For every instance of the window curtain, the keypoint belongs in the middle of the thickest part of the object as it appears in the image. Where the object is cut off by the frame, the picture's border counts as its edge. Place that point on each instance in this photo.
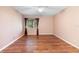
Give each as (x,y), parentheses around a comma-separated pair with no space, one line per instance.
(31,23)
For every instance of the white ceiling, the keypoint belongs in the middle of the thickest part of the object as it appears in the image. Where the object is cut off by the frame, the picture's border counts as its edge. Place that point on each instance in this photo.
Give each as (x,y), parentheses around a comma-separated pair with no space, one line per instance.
(33,10)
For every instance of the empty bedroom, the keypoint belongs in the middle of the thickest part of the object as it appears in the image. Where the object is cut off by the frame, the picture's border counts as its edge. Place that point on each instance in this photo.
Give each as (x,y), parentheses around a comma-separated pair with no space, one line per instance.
(39,29)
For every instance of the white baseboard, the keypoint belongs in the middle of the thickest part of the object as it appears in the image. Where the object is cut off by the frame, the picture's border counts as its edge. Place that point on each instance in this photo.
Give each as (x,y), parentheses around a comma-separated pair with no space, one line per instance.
(42,34)
(67,41)
(45,33)
(11,43)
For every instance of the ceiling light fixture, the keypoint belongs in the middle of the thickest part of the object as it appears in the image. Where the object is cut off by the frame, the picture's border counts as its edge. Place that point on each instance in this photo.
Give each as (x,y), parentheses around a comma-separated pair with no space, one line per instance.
(40,9)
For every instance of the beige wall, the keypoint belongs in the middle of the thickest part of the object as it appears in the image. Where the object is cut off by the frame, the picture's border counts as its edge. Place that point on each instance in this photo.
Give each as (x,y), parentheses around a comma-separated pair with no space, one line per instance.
(45,25)
(66,25)
(11,26)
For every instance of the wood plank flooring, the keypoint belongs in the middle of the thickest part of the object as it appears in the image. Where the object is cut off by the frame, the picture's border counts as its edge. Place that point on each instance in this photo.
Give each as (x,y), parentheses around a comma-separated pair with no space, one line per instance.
(40,44)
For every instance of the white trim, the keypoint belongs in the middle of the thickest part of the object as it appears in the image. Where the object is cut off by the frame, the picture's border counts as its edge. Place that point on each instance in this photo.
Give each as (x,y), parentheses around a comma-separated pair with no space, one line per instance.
(42,34)
(67,41)
(45,33)
(11,43)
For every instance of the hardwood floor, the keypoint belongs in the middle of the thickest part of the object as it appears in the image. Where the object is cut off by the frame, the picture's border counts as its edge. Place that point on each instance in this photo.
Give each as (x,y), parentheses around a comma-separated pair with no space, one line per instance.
(40,44)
